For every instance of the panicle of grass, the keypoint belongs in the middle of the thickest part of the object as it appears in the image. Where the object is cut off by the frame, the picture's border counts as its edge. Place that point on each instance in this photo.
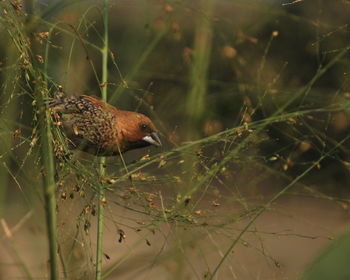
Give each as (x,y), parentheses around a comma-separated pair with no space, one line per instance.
(32,73)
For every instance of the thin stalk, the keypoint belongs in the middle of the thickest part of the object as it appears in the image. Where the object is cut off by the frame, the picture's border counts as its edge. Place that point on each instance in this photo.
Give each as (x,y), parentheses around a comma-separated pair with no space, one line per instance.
(48,163)
(47,159)
(101,191)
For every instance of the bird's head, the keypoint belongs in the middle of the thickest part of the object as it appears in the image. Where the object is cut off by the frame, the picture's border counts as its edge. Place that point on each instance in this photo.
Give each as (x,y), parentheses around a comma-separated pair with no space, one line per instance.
(137,131)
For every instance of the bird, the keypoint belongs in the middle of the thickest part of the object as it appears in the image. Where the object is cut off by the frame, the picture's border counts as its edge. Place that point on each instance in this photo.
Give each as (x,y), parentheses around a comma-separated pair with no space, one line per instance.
(98,128)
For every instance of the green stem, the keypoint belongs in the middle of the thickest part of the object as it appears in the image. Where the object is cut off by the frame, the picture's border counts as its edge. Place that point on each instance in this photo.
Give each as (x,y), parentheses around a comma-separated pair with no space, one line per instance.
(49,182)
(101,192)
(100,217)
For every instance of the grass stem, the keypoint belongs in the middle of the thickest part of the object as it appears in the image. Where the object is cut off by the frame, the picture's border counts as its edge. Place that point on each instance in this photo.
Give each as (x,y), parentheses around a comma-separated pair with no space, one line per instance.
(49,182)
(101,192)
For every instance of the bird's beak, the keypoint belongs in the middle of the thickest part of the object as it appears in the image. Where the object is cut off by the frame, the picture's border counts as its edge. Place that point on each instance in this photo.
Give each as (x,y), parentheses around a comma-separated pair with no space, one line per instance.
(153,139)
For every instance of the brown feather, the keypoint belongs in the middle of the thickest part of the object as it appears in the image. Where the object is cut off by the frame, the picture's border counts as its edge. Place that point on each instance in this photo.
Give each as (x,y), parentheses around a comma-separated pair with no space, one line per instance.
(99,128)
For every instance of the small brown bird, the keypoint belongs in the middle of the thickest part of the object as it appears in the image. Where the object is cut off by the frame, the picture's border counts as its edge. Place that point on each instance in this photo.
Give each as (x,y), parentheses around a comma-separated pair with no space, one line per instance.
(98,128)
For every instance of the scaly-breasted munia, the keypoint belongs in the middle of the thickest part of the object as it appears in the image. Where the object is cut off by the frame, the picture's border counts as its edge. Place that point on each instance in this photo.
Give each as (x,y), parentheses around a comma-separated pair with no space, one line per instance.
(96,127)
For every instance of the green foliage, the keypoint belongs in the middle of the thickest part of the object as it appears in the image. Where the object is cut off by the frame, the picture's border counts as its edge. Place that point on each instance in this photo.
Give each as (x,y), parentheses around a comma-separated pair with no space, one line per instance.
(332,263)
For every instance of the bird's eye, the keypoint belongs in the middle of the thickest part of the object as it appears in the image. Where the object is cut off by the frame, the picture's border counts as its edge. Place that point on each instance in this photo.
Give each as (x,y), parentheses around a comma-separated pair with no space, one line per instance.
(144,127)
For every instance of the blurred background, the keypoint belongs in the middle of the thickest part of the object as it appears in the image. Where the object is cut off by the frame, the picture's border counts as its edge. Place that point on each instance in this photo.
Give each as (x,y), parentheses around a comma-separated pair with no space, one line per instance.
(252,101)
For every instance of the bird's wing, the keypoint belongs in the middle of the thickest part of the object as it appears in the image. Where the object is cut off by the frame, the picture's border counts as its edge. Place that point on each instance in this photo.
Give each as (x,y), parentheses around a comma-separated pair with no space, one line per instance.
(80,104)
(98,102)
